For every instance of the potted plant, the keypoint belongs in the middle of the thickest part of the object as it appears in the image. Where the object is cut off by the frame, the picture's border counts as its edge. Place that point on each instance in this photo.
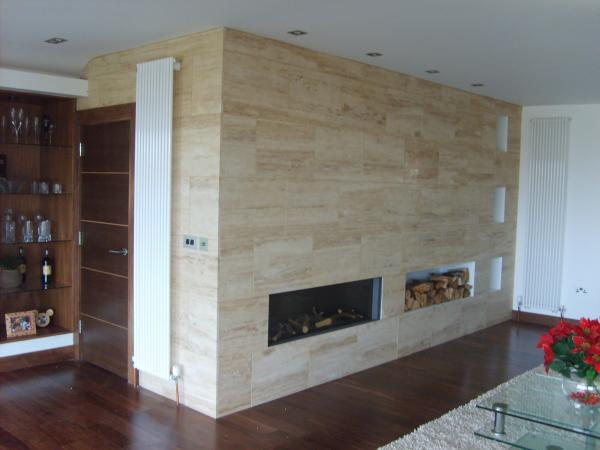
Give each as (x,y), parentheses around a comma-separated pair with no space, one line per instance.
(573,350)
(10,277)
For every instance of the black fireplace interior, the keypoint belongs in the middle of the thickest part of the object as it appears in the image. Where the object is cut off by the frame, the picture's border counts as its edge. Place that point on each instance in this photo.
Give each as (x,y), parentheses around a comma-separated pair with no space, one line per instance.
(297,314)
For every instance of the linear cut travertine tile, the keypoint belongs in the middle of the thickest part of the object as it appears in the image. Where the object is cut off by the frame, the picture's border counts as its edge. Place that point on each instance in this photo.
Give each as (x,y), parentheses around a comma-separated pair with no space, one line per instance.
(305,169)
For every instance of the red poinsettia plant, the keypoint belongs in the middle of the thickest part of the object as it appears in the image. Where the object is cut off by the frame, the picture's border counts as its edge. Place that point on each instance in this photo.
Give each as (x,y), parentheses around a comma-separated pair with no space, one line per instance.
(573,348)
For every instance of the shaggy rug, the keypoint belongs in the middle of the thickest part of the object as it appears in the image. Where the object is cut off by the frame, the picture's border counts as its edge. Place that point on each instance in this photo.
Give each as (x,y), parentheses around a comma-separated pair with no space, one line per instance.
(455,430)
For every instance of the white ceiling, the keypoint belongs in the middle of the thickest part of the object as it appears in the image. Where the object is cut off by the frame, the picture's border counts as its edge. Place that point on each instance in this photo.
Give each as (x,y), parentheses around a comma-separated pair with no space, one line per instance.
(530,52)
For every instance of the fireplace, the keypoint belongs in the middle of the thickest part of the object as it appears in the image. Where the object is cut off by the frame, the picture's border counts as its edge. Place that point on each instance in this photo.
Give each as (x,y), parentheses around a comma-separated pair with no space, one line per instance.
(306,312)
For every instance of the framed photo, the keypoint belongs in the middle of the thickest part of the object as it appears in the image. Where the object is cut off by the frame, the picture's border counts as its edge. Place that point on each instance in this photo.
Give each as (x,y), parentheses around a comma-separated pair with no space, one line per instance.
(20,324)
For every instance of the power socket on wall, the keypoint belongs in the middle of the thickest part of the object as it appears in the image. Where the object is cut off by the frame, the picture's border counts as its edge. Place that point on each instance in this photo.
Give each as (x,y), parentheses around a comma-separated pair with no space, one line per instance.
(195,243)
(190,242)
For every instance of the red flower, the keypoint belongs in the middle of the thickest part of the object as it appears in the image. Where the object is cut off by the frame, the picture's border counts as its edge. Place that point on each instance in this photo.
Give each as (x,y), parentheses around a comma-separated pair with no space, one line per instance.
(588,328)
(562,330)
(593,357)
(548,356)
(545,339)
(581,340)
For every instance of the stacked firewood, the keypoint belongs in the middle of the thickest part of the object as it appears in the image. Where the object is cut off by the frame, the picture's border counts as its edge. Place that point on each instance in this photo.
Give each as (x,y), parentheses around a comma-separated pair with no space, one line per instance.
(307,323)
(438,288)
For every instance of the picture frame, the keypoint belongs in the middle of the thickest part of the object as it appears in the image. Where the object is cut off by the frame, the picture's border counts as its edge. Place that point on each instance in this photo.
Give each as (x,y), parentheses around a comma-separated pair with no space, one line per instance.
(20,323)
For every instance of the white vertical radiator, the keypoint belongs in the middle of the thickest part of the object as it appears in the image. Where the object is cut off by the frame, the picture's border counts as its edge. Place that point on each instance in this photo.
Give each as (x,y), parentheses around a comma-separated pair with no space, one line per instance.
(545,213)
(152,217)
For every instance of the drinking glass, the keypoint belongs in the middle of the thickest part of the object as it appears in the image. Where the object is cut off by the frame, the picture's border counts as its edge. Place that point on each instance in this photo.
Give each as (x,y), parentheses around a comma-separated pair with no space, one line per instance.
(27,231)
(8,227)
(44,231)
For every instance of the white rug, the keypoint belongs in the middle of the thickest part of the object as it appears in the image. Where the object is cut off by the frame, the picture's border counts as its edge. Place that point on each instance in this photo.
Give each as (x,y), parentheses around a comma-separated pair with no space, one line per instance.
(454,430)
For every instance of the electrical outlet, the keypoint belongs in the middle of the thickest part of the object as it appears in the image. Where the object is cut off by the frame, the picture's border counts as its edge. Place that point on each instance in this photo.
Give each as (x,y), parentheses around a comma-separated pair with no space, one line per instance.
(203,244)
(190,242)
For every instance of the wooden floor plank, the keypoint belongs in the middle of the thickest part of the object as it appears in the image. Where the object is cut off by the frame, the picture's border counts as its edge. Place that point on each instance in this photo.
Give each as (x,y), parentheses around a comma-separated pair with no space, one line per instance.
(75,405)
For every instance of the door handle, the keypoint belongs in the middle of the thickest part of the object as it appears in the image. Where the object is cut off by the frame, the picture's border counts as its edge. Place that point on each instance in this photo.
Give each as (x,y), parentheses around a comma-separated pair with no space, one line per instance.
(119,251)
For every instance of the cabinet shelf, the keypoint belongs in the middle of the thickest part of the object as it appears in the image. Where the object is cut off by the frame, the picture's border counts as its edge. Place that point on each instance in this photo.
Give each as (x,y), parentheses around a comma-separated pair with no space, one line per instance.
(50,330)
(9,146)
(54,241)
(62,194)
(33,287)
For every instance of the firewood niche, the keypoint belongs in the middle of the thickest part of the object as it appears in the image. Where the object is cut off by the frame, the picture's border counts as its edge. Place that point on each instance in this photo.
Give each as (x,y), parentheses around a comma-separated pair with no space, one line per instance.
(437,288)
(302,313)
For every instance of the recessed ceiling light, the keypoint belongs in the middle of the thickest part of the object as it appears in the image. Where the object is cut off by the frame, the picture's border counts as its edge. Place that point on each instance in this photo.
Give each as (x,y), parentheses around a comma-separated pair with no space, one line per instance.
(55,40)
(477,84)
(374,54)
(297,32)
(432,71)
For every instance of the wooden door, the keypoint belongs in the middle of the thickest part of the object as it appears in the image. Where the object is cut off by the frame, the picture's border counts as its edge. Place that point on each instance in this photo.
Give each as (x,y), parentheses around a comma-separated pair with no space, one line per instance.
(106,186)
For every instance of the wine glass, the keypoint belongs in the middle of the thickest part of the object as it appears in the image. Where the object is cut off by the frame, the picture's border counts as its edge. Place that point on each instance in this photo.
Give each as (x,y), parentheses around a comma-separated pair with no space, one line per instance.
(16,120)
(51,130)
(21,119)
(13,122)
(36,130)
(26,130)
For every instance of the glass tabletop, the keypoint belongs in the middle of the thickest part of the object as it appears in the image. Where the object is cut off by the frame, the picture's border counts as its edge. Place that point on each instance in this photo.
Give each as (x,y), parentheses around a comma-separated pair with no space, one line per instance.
(539,398)
(524,435)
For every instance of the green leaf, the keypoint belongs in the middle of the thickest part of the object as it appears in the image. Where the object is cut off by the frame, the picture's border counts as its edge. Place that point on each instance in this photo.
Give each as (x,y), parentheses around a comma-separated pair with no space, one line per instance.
(561,367)
(590,375)
(561,348)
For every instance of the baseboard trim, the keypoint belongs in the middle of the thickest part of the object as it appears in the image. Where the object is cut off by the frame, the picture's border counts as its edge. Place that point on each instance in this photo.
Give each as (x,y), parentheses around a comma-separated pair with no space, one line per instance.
(537,319)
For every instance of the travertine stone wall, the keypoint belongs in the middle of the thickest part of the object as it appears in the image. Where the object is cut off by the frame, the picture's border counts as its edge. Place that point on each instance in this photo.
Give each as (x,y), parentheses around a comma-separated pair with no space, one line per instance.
(196,146)
(305,169)
(332,171)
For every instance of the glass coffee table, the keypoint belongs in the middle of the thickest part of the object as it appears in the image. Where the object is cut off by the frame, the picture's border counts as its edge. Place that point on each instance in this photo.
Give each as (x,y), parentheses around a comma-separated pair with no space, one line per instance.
(534,414)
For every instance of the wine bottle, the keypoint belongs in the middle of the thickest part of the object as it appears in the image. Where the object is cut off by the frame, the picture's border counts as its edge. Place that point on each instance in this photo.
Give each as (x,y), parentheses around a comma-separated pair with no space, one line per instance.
(22,265)
(46,270)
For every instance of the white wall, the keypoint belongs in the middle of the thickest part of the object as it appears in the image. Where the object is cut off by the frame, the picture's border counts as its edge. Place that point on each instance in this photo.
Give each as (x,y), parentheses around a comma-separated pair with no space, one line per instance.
(581,261)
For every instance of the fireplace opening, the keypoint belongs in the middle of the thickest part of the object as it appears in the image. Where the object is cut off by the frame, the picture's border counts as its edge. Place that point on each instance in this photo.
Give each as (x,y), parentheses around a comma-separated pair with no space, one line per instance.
(306,312)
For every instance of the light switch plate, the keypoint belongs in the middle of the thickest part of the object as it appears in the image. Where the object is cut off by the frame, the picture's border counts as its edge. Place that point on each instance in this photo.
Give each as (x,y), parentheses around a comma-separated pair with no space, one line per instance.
(202,244)
(190,242)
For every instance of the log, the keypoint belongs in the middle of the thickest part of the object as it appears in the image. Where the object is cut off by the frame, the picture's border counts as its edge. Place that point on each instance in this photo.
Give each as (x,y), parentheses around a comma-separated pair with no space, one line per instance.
(346,315)
(441,284)
(324,323)
(441,281)
(297,326)
(316,315)
(290,329)
(306,324)
(279,333)
(422,288)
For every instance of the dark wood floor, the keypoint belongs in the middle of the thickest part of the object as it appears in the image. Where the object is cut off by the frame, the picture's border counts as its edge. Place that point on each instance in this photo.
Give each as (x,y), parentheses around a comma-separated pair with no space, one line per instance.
(78,406)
